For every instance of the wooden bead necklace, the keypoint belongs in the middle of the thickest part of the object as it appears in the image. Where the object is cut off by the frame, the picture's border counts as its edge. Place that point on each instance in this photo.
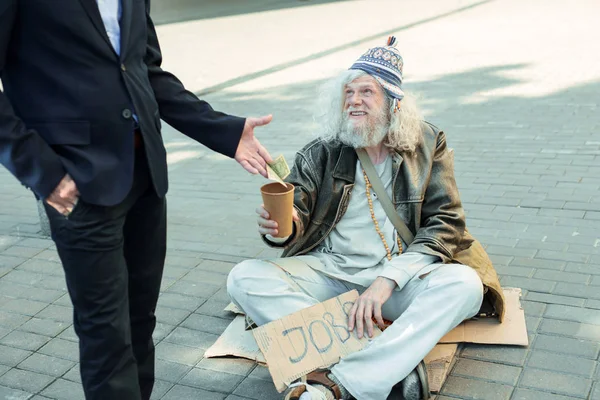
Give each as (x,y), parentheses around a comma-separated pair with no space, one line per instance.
(387,249)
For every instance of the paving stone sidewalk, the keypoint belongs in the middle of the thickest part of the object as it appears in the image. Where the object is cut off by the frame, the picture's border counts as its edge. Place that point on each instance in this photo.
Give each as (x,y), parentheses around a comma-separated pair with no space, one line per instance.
(515,89)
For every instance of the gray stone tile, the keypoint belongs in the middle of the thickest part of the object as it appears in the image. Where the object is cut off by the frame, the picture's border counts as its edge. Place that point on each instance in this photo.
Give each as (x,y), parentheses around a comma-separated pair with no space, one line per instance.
(257,389)
(74,374)
(10,320)
(171,316)
(171,371)
(45,327)
(57,313)
(160,389)
(212,380)
(529,394)
(175,273)
(62,389)
(473,389)
(505,355)
(176,300)
(562,276)
(487,371)
(193,288)
(8,261)
(13,394)
(178,354)
(180,392)
(11,356)
(21,251)
(27,381)
(24,340)
(4,332)
(29,292)
(236,366)
(576,314)
(25,307)
(215,308)
(34,242)
(46,365)
(537,263)
(206,323)
(561,363)
(201,275)
(69,334)
(573,329)
(62,349)
(533,308)
(575,347)
(569,385)
(532,284)
(261,372)
(161,331)
(555,299)
(64,301)
(191,338)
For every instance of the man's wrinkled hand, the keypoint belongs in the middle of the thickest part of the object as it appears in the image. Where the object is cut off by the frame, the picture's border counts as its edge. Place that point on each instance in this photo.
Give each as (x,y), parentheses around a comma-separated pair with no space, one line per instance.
(65,196)
(267,226)
(368,305)
(250,153)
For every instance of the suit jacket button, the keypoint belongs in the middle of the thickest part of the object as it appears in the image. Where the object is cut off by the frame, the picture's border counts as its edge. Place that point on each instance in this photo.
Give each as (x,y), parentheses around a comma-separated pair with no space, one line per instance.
(123,67)
(126,113)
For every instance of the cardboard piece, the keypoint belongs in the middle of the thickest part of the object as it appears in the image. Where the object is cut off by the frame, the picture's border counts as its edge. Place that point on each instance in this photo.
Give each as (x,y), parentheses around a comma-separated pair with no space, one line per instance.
(236,342)
(512,331)
(438,363)
(312,338)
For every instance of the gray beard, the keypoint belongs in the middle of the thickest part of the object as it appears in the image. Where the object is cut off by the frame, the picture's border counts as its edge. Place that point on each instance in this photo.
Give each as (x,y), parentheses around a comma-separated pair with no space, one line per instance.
(365,135)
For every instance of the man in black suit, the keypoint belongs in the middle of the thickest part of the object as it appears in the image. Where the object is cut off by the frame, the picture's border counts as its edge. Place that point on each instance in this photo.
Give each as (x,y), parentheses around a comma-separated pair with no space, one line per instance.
(80,126)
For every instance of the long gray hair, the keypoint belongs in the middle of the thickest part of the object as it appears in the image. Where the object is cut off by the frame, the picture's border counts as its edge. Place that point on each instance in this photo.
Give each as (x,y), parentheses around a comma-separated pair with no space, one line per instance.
(405,125)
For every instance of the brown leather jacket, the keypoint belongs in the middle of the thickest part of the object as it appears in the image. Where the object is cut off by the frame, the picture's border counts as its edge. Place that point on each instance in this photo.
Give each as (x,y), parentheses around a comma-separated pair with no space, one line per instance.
(425,196)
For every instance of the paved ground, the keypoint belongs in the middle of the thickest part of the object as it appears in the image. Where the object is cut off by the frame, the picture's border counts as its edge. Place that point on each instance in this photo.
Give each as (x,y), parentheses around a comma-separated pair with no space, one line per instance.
(513,83)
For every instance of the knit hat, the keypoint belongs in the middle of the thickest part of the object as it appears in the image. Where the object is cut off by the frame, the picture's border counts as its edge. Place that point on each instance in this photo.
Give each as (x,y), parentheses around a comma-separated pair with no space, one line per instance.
(385,65)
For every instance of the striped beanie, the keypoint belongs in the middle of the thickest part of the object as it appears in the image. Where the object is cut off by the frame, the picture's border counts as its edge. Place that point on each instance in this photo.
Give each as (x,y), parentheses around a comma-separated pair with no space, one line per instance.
(385,65)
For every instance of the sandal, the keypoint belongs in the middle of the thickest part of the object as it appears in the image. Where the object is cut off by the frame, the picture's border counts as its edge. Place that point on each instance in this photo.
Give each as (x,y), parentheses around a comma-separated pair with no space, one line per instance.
(318,377)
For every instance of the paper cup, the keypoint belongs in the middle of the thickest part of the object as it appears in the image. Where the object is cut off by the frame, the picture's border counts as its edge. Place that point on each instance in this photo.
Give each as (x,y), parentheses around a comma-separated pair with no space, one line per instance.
(279,203)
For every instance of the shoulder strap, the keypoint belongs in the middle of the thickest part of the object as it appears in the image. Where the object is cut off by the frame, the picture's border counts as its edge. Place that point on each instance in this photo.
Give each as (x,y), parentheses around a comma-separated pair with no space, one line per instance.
(400,226)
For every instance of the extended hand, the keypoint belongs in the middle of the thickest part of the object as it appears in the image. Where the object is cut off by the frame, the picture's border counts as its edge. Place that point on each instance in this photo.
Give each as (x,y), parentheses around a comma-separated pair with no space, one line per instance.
(250,153)
(369,304)
(267,226)
(65,196)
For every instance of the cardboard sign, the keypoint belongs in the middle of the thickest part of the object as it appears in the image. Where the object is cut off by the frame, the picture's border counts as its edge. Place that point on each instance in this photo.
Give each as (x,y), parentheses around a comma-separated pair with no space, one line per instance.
(490,331)
(312,338)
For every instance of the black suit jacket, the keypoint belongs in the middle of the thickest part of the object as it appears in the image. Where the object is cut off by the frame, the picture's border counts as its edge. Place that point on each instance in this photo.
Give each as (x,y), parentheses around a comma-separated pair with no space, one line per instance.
(69,99)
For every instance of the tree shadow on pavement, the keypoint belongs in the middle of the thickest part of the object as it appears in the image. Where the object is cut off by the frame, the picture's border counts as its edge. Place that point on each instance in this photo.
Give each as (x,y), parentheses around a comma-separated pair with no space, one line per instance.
(173,11)
(538,151)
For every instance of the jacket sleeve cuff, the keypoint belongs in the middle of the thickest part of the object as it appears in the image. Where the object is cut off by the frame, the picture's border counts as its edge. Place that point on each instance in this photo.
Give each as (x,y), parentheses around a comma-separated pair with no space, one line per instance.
(404,267)
(280,242)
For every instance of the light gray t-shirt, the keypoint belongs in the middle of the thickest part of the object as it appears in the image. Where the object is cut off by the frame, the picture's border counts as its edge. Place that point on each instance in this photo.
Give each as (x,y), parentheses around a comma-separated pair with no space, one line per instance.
(354,251)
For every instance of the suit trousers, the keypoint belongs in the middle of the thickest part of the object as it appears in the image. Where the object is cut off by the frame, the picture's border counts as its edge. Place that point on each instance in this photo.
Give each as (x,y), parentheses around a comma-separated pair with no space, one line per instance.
(113,258)
(423,311)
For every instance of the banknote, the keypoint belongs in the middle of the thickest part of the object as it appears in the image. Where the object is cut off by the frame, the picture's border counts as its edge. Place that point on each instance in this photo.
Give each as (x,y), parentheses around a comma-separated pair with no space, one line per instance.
(272,175)
(278,169)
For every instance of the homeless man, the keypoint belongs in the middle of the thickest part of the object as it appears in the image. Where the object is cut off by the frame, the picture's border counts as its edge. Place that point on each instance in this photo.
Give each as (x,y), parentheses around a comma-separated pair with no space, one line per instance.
(345,240)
